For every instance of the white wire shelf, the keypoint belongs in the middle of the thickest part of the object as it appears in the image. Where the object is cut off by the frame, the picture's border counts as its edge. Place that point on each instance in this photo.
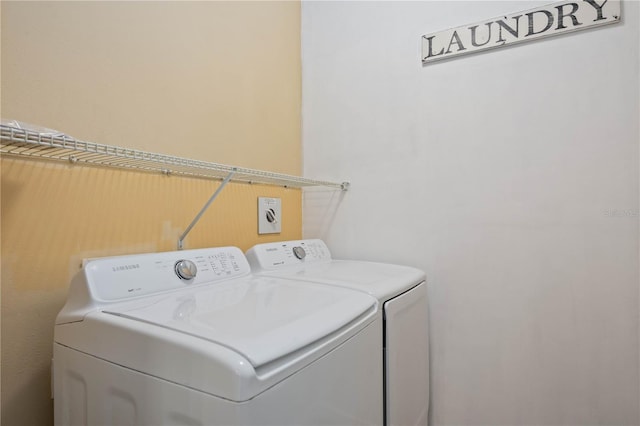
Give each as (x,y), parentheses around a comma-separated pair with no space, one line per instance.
(57,146)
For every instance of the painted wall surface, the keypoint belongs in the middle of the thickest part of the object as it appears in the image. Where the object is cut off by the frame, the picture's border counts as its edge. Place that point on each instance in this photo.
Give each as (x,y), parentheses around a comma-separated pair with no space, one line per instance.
(179,78)
(510,177)
(213,80)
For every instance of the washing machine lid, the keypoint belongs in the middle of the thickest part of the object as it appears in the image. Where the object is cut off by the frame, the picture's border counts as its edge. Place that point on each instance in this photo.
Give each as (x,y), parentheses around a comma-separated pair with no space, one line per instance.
(381,280)
(261,318)
(311,260)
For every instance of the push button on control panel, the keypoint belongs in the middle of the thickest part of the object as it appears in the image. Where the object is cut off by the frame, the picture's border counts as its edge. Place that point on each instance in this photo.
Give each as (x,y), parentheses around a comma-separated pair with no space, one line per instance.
(186,269)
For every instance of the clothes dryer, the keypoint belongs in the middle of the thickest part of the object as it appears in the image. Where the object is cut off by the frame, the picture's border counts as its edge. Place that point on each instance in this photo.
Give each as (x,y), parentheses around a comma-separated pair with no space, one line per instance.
(193,338)
(402,293)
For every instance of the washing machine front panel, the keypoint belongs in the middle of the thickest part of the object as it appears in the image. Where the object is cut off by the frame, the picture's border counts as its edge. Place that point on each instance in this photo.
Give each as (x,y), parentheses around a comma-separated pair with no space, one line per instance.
(91,390)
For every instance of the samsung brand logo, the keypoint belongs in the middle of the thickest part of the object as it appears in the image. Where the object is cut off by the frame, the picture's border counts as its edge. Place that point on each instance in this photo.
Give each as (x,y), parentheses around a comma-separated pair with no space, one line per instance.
(126,267)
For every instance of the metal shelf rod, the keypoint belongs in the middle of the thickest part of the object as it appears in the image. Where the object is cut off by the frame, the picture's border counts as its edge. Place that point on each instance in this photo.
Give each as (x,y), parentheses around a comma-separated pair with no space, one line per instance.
(204,209)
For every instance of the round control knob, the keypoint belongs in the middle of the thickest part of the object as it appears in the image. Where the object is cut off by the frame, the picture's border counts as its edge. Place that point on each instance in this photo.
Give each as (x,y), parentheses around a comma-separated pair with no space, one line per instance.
(271,216)
(299,252)
(186,269)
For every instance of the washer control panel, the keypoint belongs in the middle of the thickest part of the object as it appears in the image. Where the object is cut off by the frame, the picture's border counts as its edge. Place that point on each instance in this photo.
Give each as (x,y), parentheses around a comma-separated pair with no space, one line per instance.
(273,256)
(124,277)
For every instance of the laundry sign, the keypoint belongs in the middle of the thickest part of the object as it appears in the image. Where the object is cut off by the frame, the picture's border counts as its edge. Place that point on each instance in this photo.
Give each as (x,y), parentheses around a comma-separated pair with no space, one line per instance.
(545,21)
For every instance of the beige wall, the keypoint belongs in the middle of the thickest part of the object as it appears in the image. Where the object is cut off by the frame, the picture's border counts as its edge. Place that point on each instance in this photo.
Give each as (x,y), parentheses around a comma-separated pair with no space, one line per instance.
(216,81)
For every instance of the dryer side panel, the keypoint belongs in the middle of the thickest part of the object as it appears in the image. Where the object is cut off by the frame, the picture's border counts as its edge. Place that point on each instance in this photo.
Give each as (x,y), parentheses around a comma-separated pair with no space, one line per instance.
(407,358)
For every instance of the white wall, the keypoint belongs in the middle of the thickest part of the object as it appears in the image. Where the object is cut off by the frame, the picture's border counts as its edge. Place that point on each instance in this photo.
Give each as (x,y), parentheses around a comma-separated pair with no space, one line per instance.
(511,178)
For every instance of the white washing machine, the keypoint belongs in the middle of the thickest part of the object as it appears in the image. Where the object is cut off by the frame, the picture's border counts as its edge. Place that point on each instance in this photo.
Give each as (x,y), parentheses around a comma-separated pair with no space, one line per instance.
(193,338)
(402,292)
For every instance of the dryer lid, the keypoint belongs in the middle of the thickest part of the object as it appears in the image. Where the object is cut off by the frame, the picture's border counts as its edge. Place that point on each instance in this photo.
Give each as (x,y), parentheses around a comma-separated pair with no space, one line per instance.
(261,318)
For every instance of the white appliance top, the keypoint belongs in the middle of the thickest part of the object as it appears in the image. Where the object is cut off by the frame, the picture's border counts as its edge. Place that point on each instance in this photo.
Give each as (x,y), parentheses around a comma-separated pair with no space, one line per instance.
(310,260)
(261,318)
(265,321)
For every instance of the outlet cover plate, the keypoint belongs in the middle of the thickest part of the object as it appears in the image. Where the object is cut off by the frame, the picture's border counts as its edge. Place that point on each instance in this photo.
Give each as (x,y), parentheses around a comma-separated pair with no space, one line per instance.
(269,208)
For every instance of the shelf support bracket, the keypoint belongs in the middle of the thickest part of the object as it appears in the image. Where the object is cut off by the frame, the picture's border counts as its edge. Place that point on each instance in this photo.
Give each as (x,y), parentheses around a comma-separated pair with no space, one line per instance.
(204,209)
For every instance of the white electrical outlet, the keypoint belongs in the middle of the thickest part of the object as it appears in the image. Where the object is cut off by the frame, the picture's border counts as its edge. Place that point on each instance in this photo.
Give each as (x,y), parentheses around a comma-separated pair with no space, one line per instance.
(269,215)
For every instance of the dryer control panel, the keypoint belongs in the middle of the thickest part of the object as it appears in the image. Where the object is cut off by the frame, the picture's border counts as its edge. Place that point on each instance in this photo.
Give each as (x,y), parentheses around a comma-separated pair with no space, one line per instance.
(124,277)
(273,256)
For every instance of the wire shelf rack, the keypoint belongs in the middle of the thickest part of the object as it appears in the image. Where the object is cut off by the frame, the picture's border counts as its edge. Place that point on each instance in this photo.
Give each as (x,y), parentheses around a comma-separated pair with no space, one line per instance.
(58,146)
